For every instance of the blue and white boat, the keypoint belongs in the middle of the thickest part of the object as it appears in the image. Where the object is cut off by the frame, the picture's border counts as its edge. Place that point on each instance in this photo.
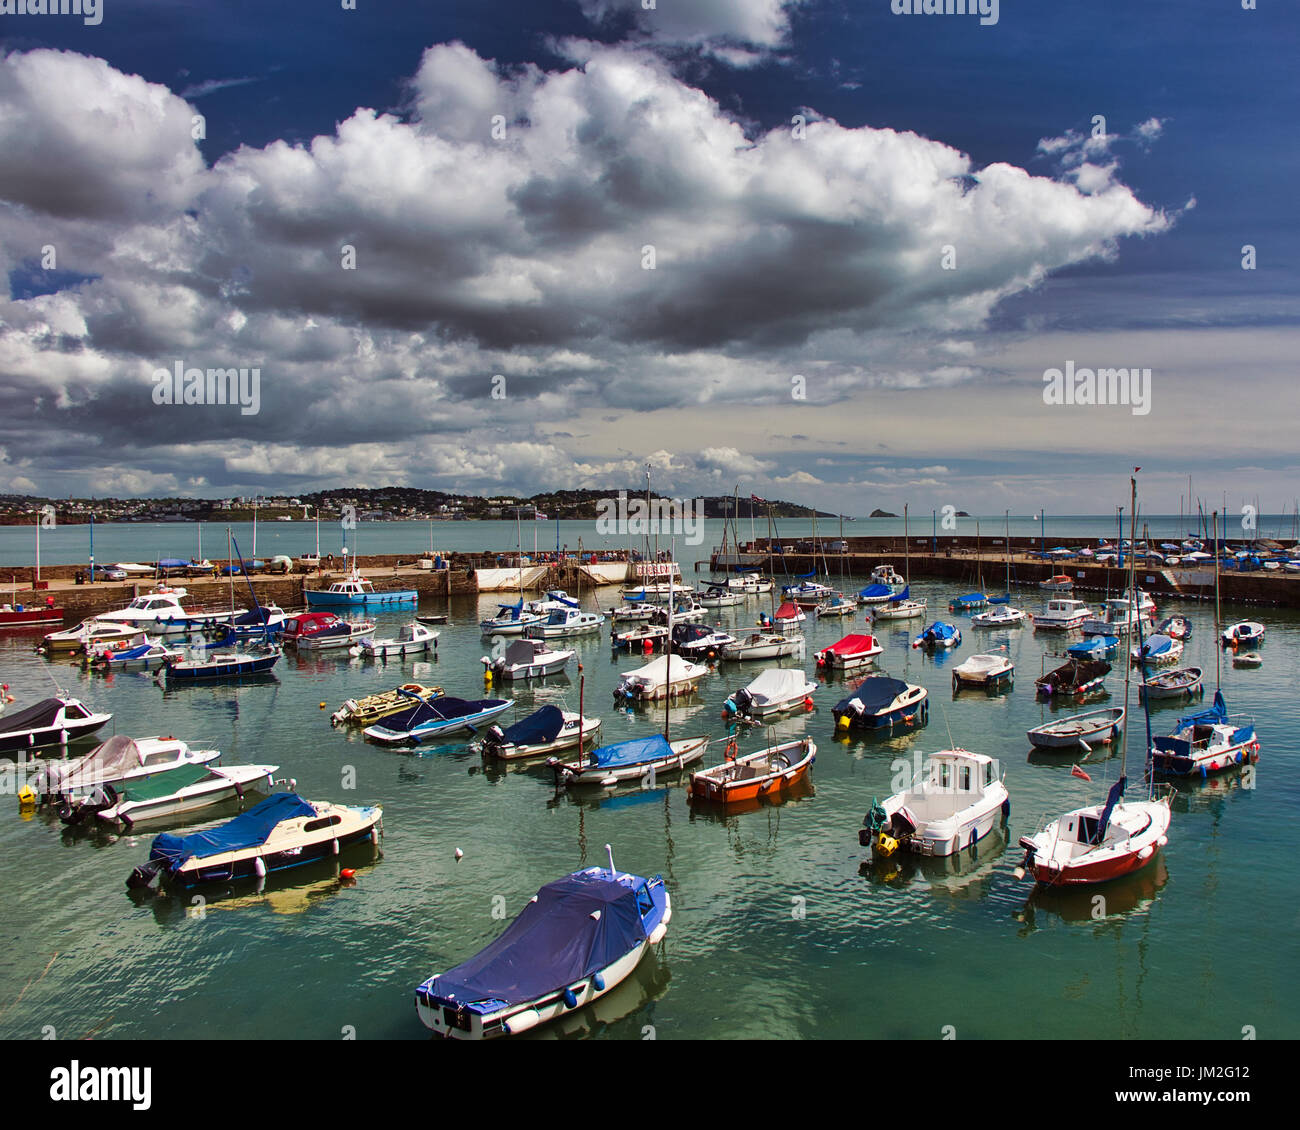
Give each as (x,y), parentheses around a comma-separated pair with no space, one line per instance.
(1094,647)
(438,718)
(939,634)
(875,594)
(968,601)
(1247,633)
(1206,743)
(880,702)
(283,831)
(1156,651)
(631,760)
(254,659)
(357,592)
(147,656)
(573,942)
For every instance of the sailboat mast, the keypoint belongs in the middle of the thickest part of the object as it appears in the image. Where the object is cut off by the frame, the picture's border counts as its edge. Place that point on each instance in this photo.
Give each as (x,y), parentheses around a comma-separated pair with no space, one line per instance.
(907,556)
(1132,588)
(1218,639)
(668,648)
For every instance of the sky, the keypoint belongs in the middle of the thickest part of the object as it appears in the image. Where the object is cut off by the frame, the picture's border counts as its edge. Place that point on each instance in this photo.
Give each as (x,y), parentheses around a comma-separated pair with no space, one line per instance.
(819,250)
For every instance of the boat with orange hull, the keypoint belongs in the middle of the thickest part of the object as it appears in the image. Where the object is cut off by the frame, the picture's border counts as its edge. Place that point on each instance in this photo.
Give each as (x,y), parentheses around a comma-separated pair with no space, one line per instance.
(745,778)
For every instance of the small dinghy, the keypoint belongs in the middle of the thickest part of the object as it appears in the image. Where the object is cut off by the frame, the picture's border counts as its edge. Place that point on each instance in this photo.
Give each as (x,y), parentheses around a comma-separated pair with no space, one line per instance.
(956,800)
(700,642)
(323,631)
(837,605)
(1179,683)
(1094,647)
(1176,627)
(636,639)
(967,602)
(629,761)
(1247,633)
(1206,743)
(283,831)
(881,702)
(439,718)
(668,676)
(545,731)
(411,639)
(147,656)
(432,618)
(1003,616)
(364,711)
(1157,651)
(168,794)
(1062,582)
(52,721)
(851,652)
(118,761)
(743,778)
(983,671)
(1080,731)
(764,645)
(1075,677)
(940,635)
(574,941)
(527,659)
(776,691)
(1249,659)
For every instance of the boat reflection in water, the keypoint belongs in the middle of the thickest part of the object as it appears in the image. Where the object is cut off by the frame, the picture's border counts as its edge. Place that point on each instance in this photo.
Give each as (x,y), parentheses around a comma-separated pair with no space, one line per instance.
(280,892)
(1095,904)
(967,874)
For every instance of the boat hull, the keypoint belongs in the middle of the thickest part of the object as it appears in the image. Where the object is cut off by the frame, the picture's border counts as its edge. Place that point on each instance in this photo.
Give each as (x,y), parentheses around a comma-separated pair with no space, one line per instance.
(725,784)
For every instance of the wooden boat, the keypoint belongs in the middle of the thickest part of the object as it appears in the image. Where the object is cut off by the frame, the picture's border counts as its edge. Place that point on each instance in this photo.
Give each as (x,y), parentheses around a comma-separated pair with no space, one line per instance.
(364,711)
(1061,582)
(118,761)
(939,634)
(880,702)
(354,591)
(983,671)
(775,691)
(90,632)
(1074,677)
(763,645)
(630,760)
(1246,633)
(574,941)
(283,831)
(1206,743)
(439,718)
(411,639)
(1062,615)
(52,721)
(743,778)
(547,730)
(168,794)
(1182,682)
(668,676)
(527,659)
(849,653)
(1080,731)
(956,799)
(1156,651)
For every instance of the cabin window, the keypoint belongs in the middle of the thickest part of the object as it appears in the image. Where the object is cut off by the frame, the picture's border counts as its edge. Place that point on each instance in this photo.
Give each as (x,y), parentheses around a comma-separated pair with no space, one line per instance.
(945,777)
(323,822)
(965,778)
(988,773)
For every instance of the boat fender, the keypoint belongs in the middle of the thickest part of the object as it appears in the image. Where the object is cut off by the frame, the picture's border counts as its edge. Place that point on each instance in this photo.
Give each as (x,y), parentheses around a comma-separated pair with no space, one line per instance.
(259,867)
(570,999)
(334,846)
(599,982)
(808,703)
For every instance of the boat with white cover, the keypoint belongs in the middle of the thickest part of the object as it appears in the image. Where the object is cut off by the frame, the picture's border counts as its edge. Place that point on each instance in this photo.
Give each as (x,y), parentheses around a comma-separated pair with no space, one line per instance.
(983,670)
(669,675)
(162,613)
(775,691)
(284,831)
(956,799)
(118,761)
(527,659)
(573,942)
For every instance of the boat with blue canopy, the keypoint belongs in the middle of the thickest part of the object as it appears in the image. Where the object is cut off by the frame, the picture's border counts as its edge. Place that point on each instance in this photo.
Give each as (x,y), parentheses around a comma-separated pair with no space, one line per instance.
(968,601)
(629,761)
(881,702)
(1094,647)
(939,634)
(283,831)
(1206,742)
(573,942)
(875,594)
(438,718)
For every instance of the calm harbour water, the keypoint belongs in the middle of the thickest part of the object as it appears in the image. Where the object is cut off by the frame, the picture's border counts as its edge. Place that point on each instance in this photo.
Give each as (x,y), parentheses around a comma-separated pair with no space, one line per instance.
(778,930)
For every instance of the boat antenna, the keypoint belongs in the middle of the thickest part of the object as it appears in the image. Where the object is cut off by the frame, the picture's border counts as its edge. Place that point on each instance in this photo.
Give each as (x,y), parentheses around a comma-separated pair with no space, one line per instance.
(609,851)
(1218,639)
(951,743)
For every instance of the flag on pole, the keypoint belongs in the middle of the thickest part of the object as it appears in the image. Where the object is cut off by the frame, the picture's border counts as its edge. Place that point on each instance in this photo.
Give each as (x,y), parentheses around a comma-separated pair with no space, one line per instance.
(755,498)
(1075,771)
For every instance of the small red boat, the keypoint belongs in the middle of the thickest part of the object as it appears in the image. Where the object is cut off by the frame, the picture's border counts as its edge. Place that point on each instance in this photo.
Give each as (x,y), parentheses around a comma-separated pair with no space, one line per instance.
(25,615)
(753,776)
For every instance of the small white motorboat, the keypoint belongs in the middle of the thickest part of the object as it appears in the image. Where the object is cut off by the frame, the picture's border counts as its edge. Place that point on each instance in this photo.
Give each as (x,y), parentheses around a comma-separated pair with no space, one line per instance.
(1157,651)
(411,639)
(90,633)
(564,622)
(1062,615)
(1245,633)
(168,794)
(983,671)
(999,616)
(955,800)
(776,691)
(547,730)
(669,675)
(52,721)
(719,596)
(764,645)
(636,639)
(119,761)
(751,777)
(527,659)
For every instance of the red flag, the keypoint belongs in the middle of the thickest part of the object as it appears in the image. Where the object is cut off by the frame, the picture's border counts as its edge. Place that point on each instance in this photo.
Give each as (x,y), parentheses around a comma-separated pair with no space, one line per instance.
(756,498)
(1075,771)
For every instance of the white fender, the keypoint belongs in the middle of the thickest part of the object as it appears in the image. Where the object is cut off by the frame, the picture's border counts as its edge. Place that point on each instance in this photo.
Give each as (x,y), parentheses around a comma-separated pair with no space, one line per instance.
(259,867)
(335,846)
(656,935)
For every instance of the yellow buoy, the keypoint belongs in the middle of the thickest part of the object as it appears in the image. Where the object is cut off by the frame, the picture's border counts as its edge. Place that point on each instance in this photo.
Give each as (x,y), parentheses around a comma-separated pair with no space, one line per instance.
(27,797)
(487,677)
(886,845)
(842,721)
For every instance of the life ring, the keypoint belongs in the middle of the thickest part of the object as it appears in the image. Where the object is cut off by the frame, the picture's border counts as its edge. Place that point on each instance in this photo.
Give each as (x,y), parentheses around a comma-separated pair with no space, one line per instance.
(729,754)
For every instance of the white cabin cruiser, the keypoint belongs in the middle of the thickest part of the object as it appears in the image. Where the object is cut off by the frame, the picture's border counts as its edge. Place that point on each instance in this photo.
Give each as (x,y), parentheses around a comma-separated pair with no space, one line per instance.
(161,613)
(118,761)
(1062,614)
(527,659)
(764,645)
(565,622)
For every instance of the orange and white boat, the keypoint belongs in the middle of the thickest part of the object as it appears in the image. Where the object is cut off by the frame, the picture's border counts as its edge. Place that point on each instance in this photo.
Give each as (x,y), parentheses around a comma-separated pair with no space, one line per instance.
(753,776)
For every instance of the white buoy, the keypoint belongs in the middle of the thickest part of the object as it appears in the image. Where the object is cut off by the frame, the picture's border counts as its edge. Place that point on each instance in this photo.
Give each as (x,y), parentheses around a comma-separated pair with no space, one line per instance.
(459,855)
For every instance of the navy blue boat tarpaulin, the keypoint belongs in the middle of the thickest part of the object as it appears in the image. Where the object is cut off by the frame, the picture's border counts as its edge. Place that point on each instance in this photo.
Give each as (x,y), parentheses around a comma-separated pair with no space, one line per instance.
(248,829)
(437,710)
(574,927)
(32,717)
(542,725)
(874,693)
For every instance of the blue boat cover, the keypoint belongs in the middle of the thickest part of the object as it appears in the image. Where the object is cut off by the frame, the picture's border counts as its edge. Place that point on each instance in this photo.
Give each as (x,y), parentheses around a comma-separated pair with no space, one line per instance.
(437,710)
(875,693)
(1112,799)
(637,751)
(173,563)
(875,590)
(968,597)
(900,595)
(574,927)
(248,829)
(1216,713)
(542,725)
